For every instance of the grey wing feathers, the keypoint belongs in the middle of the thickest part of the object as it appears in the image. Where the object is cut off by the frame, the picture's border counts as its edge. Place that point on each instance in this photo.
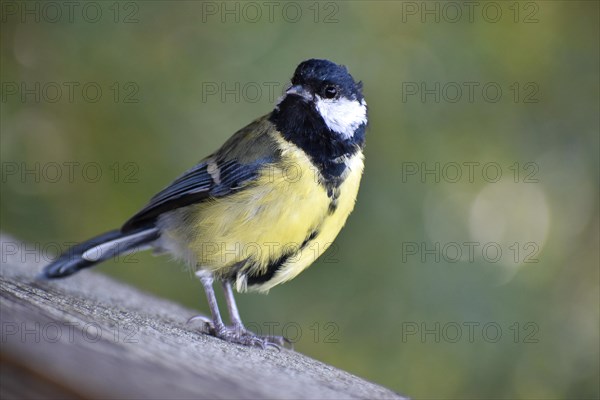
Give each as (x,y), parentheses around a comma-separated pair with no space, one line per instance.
(194,186)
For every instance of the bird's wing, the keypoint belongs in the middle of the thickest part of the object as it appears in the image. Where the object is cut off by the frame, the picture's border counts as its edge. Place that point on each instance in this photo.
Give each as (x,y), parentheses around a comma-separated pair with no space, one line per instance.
(207,179)
(236,165)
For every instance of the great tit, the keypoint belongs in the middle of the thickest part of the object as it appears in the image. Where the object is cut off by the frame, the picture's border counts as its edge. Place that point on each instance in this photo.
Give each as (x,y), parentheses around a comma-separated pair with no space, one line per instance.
(263,207)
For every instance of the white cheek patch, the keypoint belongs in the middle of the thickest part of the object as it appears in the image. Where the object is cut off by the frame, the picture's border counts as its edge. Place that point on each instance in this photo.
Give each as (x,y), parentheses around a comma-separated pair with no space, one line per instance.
(342,115)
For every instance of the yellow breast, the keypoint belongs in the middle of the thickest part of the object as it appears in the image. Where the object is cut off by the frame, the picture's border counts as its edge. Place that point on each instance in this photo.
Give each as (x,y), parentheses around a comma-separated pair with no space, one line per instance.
(330,226)
(240,235)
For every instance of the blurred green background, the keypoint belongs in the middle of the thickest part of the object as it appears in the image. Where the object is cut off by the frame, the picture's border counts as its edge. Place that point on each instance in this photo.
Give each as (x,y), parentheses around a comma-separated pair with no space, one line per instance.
(401,302)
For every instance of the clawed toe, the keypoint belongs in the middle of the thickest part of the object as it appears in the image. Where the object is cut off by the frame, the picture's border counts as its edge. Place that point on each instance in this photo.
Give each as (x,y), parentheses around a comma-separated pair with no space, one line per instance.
(207,324)
(238,336)
(247,338)
(279,341)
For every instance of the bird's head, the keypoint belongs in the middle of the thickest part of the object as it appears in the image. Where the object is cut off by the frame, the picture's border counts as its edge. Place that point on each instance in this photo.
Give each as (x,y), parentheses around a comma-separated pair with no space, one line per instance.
(323,96)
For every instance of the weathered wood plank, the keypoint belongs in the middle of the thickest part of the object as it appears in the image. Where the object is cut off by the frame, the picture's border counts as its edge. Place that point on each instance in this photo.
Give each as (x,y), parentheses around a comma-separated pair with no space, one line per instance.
(91,337)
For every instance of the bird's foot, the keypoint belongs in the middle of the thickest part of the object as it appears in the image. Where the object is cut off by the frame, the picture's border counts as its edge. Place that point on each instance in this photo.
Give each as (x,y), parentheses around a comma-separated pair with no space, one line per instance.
(240,335)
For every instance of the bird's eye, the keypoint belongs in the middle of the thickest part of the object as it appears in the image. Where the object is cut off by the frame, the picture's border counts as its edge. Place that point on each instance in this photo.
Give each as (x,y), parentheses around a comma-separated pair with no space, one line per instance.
(330,92)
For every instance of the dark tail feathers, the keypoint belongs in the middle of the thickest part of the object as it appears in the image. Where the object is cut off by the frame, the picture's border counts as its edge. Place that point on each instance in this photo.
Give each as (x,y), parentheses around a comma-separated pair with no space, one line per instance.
(96,250)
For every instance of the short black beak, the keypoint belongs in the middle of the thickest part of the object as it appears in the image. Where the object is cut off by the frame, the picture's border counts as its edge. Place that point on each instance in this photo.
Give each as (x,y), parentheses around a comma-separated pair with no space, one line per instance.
(299,90)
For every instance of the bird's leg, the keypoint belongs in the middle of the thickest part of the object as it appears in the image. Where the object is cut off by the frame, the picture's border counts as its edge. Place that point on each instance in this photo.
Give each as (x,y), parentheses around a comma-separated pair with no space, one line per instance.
(234,314)
(216,322)
(218,328)
(236,321)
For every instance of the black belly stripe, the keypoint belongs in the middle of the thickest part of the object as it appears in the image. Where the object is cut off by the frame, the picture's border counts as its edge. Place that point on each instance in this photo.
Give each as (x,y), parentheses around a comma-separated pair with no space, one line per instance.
(310,237)
(275,265)
(271,270)
(333,194)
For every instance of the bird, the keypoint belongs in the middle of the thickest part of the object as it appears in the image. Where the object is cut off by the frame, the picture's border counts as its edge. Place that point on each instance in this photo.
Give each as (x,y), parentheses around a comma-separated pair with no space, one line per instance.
(260,209)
